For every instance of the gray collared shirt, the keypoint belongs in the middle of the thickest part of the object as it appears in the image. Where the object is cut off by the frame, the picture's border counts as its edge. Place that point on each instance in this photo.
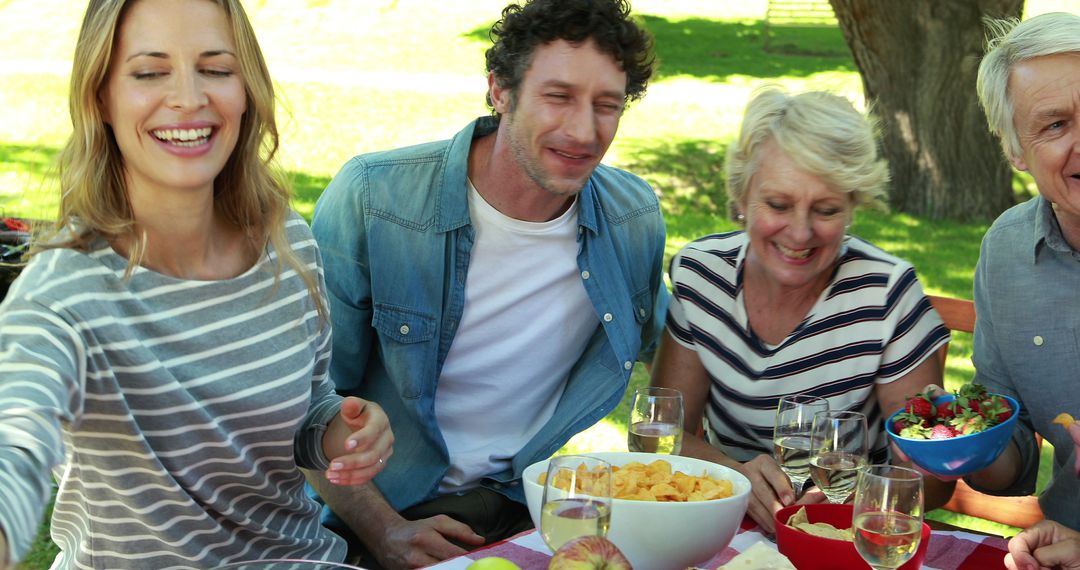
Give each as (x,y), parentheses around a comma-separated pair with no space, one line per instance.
(1027,342)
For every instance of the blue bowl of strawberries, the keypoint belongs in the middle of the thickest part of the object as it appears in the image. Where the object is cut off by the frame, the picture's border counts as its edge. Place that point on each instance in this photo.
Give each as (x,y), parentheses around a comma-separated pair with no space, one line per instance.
(954,434)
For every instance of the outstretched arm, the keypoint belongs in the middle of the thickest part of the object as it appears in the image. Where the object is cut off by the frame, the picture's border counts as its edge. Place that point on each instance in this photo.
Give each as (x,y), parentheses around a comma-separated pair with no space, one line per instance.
(396,543)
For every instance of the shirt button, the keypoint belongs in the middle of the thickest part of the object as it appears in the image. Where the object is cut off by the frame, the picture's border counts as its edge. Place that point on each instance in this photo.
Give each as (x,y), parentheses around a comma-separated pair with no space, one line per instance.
(641,311)
(608,318)
(628,365)
(1038,340)
(404,329)
(584,274)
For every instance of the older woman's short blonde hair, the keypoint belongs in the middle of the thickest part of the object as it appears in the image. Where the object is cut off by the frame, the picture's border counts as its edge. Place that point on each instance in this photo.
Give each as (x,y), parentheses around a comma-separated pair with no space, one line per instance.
(1011,42)
(821,132)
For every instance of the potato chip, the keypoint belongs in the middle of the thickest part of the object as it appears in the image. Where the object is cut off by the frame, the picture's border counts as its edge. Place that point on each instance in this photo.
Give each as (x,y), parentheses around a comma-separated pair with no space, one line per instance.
(1065,420)
(799,521)
(656,481)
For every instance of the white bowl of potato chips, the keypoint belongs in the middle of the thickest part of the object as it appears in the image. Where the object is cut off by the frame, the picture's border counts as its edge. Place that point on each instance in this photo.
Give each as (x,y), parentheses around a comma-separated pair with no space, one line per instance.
(663,517)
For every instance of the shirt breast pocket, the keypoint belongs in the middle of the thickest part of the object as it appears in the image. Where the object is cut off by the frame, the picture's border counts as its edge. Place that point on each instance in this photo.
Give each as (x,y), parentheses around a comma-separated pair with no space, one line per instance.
(643,306)
(405,336)
(1039,357)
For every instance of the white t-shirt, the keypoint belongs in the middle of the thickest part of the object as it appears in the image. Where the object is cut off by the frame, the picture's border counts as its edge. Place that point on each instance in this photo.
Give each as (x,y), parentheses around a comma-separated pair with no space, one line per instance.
(525,323)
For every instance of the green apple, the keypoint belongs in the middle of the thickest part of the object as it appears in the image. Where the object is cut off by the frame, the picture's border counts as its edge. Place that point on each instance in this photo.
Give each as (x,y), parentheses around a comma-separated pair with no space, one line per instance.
(589,553)
(493,563)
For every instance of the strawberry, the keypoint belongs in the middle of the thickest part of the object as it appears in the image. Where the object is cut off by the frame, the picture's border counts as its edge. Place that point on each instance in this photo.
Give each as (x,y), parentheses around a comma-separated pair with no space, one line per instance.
(969,396)
(920,405)
(904,420)
(972,391)
(946,410)
(969,422)
(995,409)
(916,431)
(942,431)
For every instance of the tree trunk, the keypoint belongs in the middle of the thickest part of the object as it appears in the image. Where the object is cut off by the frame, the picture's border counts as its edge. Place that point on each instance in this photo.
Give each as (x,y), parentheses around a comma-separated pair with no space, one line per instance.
(918,60)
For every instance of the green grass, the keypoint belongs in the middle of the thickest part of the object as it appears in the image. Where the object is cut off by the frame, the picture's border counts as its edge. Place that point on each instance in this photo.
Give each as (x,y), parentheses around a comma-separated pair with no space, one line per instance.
(355,76)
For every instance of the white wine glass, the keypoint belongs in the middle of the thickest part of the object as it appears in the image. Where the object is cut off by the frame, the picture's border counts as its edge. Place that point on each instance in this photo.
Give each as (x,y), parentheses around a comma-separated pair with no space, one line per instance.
(576,500)
(791,436)
(888,514)
(839,449)
(656,421)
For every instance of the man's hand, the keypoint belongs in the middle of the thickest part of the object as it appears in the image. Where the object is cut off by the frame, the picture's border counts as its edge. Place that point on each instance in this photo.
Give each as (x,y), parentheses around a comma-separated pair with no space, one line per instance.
(414,544)
(358,442)
(1047,544)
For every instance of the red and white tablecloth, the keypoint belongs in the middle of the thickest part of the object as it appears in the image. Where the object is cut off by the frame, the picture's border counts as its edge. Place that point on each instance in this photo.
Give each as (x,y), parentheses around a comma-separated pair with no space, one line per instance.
(948,550)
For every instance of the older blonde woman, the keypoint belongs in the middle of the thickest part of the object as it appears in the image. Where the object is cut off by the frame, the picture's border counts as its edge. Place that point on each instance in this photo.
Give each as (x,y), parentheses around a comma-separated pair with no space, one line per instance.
(793,304)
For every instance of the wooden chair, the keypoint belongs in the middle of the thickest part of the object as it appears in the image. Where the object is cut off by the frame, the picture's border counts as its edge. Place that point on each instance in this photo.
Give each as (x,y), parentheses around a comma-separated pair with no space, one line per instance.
(959,315)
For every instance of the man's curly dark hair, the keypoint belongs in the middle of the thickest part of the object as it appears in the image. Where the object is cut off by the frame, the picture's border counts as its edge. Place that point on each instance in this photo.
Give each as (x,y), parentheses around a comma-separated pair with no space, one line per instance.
(607,22)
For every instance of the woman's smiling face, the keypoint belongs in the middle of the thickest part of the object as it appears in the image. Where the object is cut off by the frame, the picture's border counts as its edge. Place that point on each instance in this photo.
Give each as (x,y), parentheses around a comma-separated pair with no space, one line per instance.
(174,96)
(796,223)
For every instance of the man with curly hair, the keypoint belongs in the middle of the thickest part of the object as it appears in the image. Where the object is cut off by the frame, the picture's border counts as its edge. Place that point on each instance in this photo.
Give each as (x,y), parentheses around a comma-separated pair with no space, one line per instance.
(493,291)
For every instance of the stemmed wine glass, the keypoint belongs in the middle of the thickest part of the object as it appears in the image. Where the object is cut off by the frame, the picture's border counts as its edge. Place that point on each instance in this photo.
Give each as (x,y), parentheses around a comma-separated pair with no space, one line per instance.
(656,421)
(576,500)
(888,515)
(791,436)
(839,449)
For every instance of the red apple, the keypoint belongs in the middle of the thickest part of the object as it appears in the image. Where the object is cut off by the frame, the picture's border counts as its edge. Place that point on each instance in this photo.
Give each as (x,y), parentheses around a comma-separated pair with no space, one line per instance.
(589,553)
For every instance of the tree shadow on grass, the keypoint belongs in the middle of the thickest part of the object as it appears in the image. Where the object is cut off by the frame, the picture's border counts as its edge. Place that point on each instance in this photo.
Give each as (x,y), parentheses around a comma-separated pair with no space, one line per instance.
(714,50)
(686,174)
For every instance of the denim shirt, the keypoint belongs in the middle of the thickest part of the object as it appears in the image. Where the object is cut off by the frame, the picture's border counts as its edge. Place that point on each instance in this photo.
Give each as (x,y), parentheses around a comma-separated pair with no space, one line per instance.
(396,239)
(1027,342)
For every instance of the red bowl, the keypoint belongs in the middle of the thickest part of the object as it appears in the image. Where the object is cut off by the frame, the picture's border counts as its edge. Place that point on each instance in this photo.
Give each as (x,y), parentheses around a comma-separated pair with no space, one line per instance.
(809,552)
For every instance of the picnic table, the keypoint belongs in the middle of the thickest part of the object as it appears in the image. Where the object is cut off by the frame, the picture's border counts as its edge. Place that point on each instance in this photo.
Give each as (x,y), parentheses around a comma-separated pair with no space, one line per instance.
(948,550)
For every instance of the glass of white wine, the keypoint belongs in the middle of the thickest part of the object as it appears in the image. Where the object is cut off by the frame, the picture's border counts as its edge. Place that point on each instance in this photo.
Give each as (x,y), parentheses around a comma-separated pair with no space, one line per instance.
(791,436)
(577,499)
(839,450)
(888,515)
(656,421)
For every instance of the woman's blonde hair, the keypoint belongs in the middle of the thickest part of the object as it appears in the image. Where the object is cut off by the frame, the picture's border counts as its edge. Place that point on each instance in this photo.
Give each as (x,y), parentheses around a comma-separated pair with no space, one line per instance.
(821,132)
(247,192)
(1011,42)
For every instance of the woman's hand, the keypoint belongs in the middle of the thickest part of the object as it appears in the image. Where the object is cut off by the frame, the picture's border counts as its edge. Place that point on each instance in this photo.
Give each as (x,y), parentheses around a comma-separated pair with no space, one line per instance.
(770,490)
(358,442)
(1047,544)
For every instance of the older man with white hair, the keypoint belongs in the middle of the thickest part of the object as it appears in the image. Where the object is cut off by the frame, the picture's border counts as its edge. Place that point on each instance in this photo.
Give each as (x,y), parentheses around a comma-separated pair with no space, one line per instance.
(1027,335)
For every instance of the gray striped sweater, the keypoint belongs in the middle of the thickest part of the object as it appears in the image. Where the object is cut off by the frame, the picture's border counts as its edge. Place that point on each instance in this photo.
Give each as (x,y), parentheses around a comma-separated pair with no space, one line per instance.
(172,413)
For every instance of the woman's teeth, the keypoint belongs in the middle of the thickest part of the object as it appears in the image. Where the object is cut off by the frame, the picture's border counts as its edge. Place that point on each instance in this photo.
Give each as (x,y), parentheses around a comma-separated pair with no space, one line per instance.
(794,253)
(184,137)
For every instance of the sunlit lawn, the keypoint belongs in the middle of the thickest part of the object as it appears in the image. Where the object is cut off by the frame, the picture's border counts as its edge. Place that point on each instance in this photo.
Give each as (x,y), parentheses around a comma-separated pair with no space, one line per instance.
(361,75)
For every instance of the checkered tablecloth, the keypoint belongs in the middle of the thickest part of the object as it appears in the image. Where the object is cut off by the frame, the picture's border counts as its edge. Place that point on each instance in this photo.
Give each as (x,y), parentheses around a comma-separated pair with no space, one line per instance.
(948,550)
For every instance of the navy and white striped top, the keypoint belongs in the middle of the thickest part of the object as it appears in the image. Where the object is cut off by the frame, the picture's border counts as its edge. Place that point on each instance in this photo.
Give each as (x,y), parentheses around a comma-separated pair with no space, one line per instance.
(871,325)
(172,413)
